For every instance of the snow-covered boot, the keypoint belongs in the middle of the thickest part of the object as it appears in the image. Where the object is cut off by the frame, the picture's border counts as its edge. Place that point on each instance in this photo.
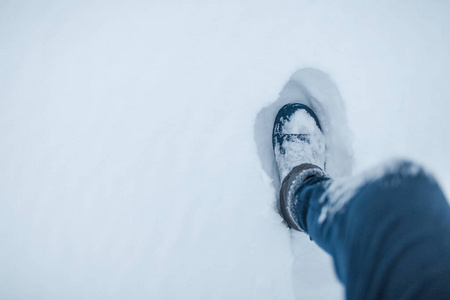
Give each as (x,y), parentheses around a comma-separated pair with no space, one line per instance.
(299,147)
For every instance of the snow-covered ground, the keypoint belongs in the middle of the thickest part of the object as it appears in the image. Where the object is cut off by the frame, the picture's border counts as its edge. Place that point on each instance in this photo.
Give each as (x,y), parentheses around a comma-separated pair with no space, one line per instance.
(129,167)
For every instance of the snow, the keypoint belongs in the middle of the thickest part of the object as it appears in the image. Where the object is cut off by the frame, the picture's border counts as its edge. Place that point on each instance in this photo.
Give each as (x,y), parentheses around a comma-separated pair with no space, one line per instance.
(130,166)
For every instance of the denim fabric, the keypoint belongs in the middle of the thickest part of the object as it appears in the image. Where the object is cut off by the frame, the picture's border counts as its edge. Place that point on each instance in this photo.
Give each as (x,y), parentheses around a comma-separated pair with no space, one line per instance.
(389,236)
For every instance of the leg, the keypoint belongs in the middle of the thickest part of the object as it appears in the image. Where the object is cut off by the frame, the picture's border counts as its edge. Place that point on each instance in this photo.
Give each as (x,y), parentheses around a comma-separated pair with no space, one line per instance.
(389,235)
(388,232)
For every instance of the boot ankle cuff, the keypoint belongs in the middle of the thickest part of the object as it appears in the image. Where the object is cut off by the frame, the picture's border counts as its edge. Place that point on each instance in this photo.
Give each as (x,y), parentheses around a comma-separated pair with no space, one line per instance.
(291,183)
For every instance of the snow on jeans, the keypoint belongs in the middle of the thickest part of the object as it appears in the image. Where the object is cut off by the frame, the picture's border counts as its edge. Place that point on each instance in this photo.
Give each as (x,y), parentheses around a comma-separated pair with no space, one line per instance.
(388,231)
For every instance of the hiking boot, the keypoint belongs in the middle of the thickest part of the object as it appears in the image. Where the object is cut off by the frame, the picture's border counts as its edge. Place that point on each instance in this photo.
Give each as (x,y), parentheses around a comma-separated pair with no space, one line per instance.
(299,147)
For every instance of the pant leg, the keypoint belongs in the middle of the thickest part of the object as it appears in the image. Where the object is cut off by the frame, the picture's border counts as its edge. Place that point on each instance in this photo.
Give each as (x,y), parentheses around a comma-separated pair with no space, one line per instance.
(388,233)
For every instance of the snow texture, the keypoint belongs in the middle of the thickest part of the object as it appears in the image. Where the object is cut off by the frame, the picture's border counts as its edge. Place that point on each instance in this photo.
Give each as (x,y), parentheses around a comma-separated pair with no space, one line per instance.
(135,158)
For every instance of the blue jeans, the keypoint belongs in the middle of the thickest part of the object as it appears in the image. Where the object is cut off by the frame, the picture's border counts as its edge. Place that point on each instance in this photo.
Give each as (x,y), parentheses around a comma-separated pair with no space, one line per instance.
(388,233)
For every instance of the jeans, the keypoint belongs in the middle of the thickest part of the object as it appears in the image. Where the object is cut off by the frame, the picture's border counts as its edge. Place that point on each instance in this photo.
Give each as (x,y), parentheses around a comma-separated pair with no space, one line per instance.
(388,232)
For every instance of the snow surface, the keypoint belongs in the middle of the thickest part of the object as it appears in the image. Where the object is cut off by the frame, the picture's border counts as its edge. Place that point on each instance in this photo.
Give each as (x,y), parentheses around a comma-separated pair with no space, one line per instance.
(130,167)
